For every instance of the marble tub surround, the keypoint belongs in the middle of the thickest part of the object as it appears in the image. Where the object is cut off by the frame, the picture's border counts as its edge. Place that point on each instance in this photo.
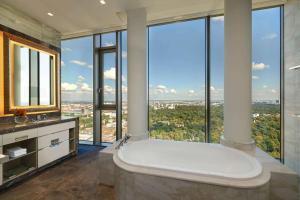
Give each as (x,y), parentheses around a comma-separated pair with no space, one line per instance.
(130,185)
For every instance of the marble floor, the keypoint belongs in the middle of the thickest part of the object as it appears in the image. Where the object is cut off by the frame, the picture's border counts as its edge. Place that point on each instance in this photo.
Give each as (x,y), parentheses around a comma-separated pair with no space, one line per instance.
(74,179)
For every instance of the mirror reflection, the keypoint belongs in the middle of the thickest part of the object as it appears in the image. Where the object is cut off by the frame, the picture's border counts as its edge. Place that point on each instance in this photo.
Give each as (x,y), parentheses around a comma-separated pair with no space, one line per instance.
(33,77)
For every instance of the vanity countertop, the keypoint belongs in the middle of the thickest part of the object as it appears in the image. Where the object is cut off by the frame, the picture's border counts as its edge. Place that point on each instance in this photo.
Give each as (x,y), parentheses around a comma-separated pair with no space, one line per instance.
(13,127)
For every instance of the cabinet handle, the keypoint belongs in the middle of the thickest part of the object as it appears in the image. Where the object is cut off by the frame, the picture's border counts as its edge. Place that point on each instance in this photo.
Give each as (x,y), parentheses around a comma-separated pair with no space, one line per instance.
(25,137)
(54,142)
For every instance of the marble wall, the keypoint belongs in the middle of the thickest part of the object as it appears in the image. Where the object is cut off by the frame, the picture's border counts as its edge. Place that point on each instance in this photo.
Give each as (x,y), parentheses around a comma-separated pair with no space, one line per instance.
(15,19)
(292,85)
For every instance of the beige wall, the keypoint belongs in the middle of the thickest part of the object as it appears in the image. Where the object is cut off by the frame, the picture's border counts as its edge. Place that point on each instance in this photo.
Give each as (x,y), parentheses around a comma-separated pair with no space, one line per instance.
(292,85)
(21,22)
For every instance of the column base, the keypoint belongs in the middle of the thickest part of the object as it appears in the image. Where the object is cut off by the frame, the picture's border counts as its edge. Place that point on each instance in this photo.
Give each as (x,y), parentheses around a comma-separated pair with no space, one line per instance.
(139,136)
(247,147)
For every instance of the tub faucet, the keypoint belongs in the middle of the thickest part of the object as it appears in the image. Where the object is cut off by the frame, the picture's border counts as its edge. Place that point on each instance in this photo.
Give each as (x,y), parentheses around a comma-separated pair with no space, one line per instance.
(123,141)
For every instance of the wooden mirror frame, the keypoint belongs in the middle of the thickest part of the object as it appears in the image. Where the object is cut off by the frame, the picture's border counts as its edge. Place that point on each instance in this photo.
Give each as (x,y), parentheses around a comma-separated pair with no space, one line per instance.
(9,108)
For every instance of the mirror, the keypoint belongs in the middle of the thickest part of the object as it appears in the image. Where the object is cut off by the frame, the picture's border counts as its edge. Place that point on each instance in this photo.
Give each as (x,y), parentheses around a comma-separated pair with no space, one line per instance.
(32,77)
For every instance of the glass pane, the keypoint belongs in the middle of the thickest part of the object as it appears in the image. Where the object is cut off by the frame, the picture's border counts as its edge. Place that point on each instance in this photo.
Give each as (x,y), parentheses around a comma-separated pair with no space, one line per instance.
(177,81)
(108,39)
(34,78)
(109,81)
(44,60)
(124,81)
(266,79)
(21,76)
(97,41)
(77,83)
(108,119)
(217,78)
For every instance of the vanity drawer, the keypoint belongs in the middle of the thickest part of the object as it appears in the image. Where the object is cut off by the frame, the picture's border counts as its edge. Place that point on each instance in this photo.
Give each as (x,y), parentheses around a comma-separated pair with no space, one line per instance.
(55,128)
(19,136)
(53,153)
(50,139)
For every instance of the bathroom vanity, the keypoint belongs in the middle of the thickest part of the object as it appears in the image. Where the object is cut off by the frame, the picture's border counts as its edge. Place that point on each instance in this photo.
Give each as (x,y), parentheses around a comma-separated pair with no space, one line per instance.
(46,142)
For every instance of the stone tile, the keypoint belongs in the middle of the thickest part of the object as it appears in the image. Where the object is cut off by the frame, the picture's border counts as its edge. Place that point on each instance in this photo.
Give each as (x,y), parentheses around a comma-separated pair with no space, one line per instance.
(73,179)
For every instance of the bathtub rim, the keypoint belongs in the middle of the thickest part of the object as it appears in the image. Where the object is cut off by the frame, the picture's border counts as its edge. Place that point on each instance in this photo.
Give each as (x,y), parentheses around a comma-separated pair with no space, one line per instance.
(254,182)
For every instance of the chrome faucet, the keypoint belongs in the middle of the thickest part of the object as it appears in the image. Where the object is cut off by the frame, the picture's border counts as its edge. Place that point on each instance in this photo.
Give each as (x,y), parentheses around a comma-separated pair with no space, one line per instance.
(123,141)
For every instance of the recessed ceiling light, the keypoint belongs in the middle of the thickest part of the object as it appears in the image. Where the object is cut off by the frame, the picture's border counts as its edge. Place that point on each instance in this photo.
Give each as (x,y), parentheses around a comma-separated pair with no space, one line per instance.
(102,2)
(50,14)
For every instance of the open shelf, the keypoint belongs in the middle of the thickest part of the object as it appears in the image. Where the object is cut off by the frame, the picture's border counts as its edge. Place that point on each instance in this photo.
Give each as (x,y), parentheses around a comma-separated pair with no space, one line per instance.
(29,144)
(19,166)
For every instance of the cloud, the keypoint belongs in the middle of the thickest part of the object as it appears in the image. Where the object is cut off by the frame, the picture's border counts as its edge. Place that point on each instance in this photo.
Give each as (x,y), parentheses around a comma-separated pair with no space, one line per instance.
(124,54)
(66,49)
(265,86)
(219,18)
(85,87)
(110,74)
(90,66)
(62,63)
(191,92)
(259,66)
(173,91)
(273,91)
(124,89)
(255,77)
(108,90)
(270,36)
(212,88)
(68,86)
(81,78)
(78,62)
(161,89)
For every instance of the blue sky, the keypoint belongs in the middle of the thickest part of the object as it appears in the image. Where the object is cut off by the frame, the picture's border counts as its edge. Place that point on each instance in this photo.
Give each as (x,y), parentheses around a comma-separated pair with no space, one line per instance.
(176,61)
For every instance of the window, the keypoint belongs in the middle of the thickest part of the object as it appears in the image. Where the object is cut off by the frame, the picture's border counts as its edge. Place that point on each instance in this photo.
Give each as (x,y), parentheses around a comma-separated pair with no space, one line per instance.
(216,78)
(177,81)
(77,83)
(265,78)
(124,80)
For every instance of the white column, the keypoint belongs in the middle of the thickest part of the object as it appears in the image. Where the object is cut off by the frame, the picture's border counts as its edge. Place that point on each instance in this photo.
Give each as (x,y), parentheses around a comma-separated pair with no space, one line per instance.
(237,80)
(137,73)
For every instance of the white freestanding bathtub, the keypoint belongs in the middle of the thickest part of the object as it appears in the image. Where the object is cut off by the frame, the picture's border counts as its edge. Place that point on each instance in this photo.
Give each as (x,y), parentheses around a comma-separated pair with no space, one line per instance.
(202,163)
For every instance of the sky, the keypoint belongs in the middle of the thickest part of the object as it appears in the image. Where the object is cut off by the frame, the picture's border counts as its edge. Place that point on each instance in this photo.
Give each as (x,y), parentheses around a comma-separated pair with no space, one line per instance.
(177,60)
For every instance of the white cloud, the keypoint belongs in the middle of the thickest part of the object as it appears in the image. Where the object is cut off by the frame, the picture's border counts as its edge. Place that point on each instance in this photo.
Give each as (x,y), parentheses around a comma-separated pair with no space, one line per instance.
(108,90)
(212,88)
(68,86)
(259,66)
(85,87)
(265,86)
(62,63)
(90,66)
(219,18)
(255,77)
(78,62)
(161,89)
(81,78)
(270,36)
(191,92)
(110,74)
(124,54)
(173,91)
(124,89)
(274,91)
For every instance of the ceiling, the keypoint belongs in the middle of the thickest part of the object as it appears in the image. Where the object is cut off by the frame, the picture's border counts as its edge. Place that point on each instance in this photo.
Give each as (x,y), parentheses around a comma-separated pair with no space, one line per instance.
(79,17)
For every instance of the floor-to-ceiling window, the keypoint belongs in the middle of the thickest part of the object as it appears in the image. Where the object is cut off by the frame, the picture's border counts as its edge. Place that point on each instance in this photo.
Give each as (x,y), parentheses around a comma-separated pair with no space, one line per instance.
(173,48)
(265,78)
(124,78)
(77,83)
(177,81)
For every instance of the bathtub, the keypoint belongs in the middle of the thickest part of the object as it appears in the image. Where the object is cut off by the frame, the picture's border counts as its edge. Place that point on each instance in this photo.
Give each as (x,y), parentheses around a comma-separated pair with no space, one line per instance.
(148,163)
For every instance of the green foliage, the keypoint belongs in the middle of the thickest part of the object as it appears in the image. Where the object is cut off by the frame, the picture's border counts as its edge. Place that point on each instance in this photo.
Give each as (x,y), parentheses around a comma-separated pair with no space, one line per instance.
(187,122)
